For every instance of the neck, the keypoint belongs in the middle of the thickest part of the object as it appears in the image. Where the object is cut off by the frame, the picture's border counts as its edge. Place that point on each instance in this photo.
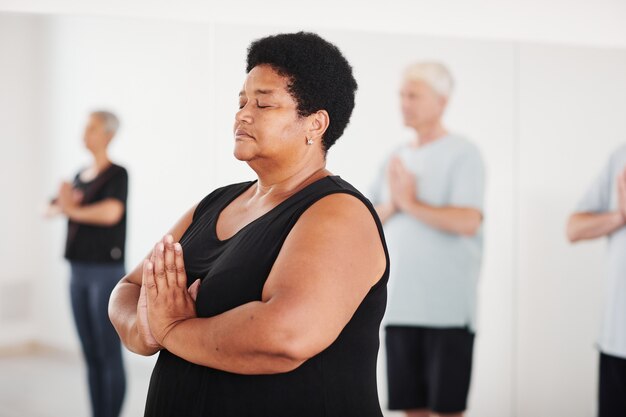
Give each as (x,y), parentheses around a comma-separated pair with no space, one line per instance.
(285,180)
(101,160)
(429,133)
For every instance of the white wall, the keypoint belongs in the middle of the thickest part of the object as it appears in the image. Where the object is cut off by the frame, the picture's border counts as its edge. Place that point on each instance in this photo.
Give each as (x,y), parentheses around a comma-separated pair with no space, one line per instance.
(20,112)
(599,22)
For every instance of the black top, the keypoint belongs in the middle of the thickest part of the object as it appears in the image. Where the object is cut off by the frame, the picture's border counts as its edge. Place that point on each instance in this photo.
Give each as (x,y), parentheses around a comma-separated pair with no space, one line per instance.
(339,381)
(92,243)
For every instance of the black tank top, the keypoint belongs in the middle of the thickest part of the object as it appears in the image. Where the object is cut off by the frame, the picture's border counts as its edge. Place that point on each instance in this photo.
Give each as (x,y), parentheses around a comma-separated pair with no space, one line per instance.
(339,381)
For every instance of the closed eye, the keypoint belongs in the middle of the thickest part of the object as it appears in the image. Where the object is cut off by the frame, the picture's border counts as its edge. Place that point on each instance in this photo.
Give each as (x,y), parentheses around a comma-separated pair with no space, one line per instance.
(241,106)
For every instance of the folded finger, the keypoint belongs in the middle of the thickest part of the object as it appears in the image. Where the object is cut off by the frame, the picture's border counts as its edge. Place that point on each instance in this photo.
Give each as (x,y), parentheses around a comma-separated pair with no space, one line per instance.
(169,260)
(180,266)
(159,266)
(148,280)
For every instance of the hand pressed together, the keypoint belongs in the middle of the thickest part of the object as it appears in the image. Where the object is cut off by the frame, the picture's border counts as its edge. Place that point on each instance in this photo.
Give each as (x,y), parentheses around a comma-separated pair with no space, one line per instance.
(68,197)
(165,301)
(402,184)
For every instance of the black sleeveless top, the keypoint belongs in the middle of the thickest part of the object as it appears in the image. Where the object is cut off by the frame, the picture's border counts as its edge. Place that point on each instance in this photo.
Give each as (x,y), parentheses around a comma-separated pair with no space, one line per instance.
(339,381)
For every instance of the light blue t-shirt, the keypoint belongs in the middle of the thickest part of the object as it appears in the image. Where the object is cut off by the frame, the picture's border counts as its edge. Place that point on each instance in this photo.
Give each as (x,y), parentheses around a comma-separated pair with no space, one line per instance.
(434,274)
(602,197)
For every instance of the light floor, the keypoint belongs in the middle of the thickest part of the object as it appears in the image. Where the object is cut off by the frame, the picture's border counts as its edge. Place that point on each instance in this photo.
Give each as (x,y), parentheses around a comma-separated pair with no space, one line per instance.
(53,384)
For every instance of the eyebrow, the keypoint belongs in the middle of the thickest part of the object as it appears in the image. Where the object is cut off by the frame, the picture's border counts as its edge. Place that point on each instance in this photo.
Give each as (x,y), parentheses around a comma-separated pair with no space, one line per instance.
(258,91)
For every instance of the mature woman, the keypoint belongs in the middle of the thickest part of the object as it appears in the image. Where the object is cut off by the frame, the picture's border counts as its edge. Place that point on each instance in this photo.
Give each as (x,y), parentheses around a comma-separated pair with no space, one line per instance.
(293,267)
(95,206)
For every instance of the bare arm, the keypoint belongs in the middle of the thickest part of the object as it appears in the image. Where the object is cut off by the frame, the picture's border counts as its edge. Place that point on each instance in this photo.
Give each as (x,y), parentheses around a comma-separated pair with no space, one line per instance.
(123,303)
(587,225)
(583,226)
(327,265)
(452,219)
(457,220)
(107,212)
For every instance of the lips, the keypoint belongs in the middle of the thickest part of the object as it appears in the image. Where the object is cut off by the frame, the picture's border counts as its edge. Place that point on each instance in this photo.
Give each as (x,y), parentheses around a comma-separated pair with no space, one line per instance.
(242,134)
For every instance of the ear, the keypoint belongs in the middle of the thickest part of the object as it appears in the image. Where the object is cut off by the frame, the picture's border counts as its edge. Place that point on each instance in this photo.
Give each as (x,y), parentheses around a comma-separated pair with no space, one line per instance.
(318,124)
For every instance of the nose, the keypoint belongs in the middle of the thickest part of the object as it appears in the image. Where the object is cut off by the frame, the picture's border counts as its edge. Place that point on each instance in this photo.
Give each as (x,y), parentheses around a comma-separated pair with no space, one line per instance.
(243,115)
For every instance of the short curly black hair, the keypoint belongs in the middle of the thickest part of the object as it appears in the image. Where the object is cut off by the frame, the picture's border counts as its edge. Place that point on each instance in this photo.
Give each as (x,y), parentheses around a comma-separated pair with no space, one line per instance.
(320,77)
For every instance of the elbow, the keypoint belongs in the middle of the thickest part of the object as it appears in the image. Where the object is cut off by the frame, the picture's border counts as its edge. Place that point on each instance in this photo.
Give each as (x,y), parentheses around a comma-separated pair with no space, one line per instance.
(573,240)
(571,236)
(113,218)
(289,357)
(296,353)
(282,344)
(124,323)
(572,232)
(290,352)
(283,365)
(113,313)
(141,350)
(114,213)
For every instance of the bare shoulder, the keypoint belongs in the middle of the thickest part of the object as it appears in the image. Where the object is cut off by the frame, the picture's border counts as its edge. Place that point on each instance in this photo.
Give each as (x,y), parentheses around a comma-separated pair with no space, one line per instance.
(341,206)
(342,228)
(340,209)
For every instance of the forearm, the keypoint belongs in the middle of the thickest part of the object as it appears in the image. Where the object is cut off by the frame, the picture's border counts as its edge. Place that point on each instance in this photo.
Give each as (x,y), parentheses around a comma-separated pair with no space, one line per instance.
(245,340)
(582,226)
(385,211)
(123,316)
(104,213)
(456,220)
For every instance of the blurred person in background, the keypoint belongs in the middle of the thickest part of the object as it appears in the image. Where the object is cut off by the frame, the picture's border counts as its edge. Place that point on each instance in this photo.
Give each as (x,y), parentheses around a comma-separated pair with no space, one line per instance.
(429,196)
(95,207)
(602,213)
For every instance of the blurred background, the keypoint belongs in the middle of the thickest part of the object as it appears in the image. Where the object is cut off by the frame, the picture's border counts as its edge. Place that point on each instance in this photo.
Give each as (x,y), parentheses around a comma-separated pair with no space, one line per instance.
(540,88)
